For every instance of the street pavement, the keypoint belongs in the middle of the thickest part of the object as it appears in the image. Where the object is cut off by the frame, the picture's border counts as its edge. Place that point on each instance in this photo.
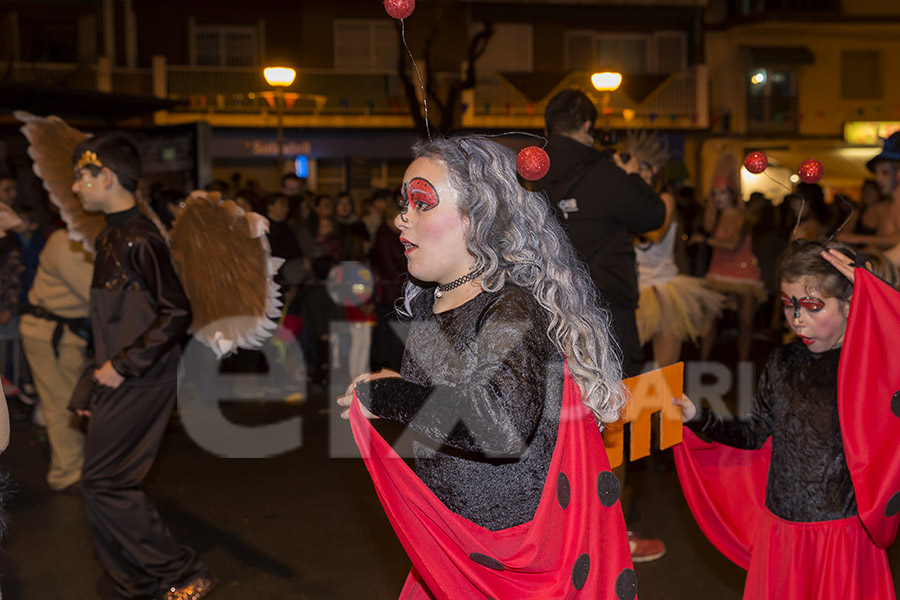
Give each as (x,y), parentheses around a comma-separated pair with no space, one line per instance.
(302,525)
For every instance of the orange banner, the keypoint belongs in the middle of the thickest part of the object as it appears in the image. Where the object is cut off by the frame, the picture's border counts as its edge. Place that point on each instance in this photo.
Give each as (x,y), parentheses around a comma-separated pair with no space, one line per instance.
(651,392)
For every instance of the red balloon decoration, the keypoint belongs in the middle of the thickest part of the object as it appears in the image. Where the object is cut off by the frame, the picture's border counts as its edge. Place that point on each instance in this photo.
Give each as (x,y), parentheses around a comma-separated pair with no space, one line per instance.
(399,9)
(811,171)
(532,163)
(756,162)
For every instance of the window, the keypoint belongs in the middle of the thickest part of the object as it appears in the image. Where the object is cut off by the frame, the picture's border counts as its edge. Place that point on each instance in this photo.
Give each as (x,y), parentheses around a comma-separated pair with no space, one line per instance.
(365,44)
(226,46)
(861,75)
(661,52)
(771,101)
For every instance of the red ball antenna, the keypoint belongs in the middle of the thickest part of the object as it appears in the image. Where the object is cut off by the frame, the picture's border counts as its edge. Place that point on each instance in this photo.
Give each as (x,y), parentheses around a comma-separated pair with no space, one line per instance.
(399,9)
(532,163)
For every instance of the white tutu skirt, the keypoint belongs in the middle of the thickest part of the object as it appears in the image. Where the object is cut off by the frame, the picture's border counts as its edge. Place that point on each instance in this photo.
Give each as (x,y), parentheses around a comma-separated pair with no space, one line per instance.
(681,306)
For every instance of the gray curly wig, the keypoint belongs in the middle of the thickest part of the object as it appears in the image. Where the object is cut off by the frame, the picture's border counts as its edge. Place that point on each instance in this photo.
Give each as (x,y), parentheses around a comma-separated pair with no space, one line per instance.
(514,236)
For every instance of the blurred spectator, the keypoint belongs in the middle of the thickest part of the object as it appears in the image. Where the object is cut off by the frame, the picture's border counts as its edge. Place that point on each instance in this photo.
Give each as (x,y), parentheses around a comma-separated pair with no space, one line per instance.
(351,230)
(322,218)
(374,210)
(389,266)
(221,186)
(291,185)
(248,200)
(733,269)
(813,215)
(283,242)
(870,212)
(55,332)
(167,204)
(9,190)
(767,243)
(31,242)
(317,311)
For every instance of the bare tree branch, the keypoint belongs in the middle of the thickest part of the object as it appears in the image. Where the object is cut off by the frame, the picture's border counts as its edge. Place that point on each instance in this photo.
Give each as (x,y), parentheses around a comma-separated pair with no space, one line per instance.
(444,107)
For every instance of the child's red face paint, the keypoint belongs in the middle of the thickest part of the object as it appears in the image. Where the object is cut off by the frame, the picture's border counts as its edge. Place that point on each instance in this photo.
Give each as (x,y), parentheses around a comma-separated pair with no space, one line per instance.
(819,321)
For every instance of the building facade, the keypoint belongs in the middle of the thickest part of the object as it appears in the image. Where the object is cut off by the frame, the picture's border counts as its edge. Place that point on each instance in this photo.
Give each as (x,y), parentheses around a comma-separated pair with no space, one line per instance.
(485,66)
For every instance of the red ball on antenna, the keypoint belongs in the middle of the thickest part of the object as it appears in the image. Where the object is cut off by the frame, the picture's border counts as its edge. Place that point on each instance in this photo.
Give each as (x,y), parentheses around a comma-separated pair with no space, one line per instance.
(532,163)
(756,162)
(811,171)
(399,9)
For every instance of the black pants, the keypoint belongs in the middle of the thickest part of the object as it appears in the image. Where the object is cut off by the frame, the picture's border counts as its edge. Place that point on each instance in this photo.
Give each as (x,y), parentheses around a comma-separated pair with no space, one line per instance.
(136,548)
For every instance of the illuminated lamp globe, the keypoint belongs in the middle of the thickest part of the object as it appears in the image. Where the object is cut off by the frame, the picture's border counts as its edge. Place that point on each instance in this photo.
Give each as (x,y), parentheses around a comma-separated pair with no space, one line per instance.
(279,76)
(607,81)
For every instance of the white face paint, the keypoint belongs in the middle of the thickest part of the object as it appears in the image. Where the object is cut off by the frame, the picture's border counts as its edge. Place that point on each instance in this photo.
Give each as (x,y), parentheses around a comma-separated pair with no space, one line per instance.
(431,227)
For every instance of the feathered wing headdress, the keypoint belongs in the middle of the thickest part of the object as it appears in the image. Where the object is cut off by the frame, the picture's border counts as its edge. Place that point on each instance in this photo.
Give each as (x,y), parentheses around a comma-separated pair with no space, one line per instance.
(51,142)
(220,252)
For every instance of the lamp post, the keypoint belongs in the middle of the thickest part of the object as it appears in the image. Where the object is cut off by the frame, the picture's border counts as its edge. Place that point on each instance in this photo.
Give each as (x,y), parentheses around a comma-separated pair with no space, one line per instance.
(606,82)
(280,78)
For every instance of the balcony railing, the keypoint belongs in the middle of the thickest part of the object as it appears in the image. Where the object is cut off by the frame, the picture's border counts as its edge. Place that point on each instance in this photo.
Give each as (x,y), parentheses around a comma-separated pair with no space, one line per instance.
(677,101)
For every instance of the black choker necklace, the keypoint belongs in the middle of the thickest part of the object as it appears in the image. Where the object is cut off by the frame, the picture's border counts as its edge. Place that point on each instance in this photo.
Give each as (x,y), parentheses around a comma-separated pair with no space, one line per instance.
(439,290)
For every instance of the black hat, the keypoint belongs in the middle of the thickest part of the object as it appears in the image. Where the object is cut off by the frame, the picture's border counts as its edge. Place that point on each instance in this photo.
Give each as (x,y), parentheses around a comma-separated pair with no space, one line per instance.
(891,151)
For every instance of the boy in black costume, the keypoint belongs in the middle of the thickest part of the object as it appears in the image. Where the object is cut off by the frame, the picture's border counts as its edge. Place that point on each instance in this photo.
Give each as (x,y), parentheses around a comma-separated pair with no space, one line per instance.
(139,313)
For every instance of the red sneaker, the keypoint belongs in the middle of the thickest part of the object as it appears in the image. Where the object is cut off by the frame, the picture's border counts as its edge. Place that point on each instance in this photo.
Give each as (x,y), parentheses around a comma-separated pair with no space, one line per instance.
(644,549)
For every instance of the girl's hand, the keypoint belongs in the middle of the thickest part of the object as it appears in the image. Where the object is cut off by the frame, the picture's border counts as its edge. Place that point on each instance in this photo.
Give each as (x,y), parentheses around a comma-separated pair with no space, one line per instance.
(347,398)
(841,262)
(347,401)
(688,410)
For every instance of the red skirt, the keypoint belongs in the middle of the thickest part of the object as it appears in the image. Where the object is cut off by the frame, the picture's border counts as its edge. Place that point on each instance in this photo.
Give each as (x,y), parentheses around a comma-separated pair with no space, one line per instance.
(816,561)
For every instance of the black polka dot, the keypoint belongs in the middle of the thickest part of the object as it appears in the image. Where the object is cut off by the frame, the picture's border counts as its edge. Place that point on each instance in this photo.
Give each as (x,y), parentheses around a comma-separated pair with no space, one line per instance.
(608,488)
(563,492)
(626,585)
(895,403)
(893,505)
(486,561)
(580,571)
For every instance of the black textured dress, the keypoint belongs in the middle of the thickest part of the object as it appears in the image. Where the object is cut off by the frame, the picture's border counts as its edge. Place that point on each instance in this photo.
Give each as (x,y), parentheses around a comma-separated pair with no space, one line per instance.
(482,388)
(796,404)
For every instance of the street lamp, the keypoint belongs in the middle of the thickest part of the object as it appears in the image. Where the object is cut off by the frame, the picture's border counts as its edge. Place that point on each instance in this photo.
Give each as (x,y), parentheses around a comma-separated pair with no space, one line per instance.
(606,82)
(280,78)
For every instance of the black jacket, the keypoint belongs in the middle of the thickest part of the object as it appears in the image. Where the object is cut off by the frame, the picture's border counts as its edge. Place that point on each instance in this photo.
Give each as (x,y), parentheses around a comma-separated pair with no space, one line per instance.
(610,205)
(139,310)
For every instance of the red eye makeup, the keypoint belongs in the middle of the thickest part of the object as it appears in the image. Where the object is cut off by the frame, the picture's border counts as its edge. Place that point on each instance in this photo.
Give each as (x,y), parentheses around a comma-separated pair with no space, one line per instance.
(810,303)
(421,194)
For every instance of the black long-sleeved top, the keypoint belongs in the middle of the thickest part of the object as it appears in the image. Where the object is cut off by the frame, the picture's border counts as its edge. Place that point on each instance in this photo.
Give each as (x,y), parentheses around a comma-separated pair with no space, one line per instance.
(795,404)
(611,205)
(139,311)
(482,384)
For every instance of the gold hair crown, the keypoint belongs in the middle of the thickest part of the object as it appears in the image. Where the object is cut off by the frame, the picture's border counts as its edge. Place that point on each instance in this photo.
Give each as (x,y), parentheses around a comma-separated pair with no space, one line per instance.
(89,157)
